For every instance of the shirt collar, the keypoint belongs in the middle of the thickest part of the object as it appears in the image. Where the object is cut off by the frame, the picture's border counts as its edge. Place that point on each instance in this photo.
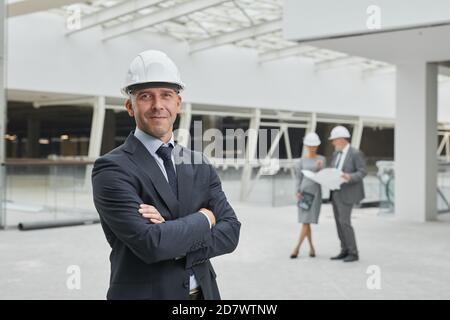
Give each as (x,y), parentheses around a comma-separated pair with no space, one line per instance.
(150,142)
(345,150)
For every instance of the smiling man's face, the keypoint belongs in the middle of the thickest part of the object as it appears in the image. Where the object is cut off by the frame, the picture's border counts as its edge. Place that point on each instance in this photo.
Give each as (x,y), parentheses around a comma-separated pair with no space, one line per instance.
(155,111)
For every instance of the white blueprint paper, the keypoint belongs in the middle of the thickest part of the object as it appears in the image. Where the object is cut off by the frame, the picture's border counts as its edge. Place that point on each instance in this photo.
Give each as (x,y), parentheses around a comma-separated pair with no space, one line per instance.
(330,178)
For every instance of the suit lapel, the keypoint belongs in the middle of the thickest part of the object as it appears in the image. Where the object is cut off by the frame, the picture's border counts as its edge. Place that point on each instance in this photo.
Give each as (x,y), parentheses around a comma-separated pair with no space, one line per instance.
(144,160)
(185,178)
(334,159)
(347,158)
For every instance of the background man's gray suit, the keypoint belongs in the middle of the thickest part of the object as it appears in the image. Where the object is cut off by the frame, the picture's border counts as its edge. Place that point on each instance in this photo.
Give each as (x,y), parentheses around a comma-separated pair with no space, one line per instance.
(350,194)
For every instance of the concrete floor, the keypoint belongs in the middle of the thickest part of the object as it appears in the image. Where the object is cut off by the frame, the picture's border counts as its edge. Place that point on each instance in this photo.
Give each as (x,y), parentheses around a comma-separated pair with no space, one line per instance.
(414,259)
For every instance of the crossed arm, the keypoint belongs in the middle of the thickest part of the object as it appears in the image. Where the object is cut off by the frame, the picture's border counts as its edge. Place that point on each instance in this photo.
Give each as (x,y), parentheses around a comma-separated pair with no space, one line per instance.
(224,235)
(118,204)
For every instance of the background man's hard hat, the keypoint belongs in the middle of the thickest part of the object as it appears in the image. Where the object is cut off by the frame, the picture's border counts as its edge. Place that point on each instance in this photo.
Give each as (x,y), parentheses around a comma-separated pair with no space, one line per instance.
(152,67)
(339,132)
(311,140)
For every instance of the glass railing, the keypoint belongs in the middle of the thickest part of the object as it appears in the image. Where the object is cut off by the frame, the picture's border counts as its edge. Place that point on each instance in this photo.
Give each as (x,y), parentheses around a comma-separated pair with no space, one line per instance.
(284,190)
(386,176)
(279,189)
(48,192)
(57,192)
(443,186)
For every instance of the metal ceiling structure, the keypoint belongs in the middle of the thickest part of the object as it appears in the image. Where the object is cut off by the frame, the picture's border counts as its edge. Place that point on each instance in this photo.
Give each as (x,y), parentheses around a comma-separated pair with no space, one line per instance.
(203,24)
(206,24)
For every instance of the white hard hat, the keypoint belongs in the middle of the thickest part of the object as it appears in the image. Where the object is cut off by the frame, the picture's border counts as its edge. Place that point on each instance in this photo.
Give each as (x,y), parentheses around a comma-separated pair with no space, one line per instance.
(311,140)
(152,67)
(339,132)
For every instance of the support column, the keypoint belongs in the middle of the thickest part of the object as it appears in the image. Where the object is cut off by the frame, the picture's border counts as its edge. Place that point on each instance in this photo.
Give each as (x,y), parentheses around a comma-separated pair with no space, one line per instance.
(250,156)
(95,141)
(98,122)
(3,116)
(183,133)
(210,122)
(415,142)
(287,143)
(311,127)
(358,129)
(109,132)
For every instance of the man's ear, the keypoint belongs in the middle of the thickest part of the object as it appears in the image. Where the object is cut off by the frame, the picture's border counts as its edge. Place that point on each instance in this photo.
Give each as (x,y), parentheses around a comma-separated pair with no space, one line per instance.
(129,106)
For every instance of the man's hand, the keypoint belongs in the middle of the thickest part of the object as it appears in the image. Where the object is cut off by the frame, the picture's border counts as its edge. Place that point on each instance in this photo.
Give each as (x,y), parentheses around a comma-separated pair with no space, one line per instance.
(346,177)
(151,213)
(210,215)
(299,196)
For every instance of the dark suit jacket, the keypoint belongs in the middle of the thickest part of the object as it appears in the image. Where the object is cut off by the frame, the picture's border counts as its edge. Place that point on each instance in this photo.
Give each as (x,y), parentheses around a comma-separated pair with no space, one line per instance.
(145,257)
(355,165)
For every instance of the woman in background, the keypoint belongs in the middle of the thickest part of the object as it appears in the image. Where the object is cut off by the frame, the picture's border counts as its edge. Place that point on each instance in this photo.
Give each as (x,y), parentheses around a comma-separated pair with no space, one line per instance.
(308,188)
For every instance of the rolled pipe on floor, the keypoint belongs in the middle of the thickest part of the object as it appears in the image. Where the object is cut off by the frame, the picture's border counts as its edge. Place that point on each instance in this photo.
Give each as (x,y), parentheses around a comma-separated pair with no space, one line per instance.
(25,226)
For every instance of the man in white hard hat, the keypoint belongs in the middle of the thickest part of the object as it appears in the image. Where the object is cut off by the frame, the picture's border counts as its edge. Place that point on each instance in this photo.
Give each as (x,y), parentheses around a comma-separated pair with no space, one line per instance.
(352,163)
(163,214)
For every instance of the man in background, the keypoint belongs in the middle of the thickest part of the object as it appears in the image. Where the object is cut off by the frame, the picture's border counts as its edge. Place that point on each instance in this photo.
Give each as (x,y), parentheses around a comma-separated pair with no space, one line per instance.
(353,166)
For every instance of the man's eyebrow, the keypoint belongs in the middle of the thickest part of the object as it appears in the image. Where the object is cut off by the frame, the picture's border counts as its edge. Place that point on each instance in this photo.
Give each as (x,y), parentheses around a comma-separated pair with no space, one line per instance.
(144,91)
(162,90)
(168,91)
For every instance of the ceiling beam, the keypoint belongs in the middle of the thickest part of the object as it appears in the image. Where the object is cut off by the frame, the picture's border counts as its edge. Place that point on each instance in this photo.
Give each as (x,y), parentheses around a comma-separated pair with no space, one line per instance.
(295,50)
(24,7)
(114,12)
(337,62)
(160,16)
(235,36)
(89,101)
(388,69)
(444,69)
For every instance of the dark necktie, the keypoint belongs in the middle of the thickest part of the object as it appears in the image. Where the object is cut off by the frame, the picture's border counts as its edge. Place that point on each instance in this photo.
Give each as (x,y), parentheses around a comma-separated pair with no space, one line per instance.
(338,159)
(165,153)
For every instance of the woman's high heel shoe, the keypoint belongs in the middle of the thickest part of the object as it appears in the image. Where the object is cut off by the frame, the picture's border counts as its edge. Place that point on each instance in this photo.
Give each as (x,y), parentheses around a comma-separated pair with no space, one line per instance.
(312,254)
(294,255)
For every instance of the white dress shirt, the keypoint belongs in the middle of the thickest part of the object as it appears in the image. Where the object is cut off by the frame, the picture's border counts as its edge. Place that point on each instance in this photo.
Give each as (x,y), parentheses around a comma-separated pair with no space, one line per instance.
(152,144)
